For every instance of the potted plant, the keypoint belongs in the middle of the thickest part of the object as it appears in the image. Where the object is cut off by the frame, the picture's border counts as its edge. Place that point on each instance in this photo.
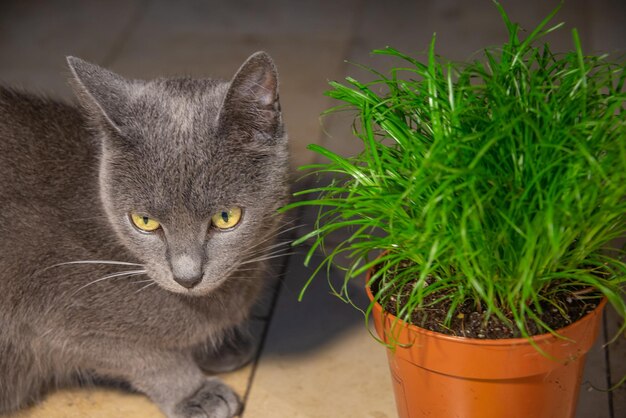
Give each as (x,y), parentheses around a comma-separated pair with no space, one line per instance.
(482,207)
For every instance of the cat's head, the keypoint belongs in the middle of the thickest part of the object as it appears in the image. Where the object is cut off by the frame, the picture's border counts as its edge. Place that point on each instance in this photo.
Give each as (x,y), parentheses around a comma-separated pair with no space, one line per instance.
(192,171)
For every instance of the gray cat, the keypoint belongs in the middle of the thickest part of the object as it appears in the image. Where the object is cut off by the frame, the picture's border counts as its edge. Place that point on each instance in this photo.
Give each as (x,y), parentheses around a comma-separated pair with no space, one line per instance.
(135,232)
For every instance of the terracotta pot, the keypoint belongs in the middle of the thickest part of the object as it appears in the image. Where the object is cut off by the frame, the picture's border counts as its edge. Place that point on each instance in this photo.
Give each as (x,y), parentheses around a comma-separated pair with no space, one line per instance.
(440,376)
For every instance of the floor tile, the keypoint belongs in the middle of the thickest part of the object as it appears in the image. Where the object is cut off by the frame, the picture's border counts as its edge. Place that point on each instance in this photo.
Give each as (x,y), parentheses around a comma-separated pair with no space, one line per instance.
(592,401)
(605,21)
(37,36)
(617,363)
(319,360)
(95,403)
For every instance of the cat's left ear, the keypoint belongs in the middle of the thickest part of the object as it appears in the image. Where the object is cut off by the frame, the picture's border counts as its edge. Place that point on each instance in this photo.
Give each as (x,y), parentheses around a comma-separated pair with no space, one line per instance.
(251,107)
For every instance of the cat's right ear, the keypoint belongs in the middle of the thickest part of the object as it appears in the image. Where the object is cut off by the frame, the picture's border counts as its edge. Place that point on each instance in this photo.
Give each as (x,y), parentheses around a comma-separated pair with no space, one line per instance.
(102,93)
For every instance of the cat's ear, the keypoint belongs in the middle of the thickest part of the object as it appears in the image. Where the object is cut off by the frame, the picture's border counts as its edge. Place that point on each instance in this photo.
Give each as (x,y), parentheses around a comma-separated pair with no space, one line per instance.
(103,93)
(251,106)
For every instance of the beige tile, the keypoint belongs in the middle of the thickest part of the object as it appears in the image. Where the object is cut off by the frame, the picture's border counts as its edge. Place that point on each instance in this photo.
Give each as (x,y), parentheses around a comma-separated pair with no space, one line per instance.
(319,360)
(95,403)
(346,378)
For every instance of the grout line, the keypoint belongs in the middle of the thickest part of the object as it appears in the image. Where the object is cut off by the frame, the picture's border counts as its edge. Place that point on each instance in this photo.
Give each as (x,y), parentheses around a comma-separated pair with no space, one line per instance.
(133,22)
(268,317)
(607,362)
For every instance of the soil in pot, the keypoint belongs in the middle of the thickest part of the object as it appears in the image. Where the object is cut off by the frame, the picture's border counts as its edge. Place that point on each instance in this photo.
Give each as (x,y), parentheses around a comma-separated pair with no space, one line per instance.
(471,320)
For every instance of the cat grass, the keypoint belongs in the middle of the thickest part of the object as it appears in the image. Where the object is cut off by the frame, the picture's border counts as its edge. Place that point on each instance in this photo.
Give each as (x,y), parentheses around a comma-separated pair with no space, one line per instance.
(502,180)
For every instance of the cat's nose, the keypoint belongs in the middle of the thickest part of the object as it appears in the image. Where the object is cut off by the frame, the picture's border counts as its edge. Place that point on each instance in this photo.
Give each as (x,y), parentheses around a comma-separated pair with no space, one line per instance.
(187,271)
(188,281)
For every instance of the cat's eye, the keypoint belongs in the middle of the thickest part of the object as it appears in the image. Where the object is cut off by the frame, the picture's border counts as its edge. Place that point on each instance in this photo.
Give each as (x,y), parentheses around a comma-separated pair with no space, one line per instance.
(144,223)
(226,218)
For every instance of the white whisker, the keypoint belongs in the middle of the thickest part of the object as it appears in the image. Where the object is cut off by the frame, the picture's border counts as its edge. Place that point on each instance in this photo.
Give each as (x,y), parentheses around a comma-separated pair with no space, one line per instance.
(275,251)
(272,235)
(282,230)
(279,244)
(145,287)
(142,281)
(264,258)
(291,228)
(110,276)
(251,269)
(105,262)
(241,279)
(260,251)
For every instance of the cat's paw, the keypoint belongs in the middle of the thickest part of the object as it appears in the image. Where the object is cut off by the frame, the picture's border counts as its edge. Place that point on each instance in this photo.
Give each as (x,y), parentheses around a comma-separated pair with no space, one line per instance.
(212,400)
(236,351)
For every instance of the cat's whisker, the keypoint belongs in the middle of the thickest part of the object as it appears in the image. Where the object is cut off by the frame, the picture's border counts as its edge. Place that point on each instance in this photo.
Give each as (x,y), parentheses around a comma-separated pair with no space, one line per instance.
(146,286)
(263,241)
(281,226)
(264,244)
(250,269)
(282,230)
(274,250)
(103,262)
(267,248)
(262,254)
(142,281)
(241,280)
(291,227)
(280,243)
(265,258)
(111,276)
(273,234)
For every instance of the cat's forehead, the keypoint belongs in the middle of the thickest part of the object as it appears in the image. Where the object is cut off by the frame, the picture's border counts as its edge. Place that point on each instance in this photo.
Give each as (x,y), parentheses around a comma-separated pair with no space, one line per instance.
(179,105)
(168,176)
(206,90)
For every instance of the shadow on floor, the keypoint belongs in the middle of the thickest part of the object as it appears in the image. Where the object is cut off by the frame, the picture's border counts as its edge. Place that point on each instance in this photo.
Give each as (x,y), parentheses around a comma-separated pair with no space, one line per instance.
(299,327)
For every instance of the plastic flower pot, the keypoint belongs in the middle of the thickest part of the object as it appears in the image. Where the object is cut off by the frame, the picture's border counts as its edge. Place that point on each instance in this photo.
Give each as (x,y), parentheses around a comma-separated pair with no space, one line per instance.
(439,376)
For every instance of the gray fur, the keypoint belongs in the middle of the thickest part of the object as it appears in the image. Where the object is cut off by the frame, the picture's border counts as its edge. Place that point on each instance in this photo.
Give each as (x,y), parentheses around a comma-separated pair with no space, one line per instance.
(176,149)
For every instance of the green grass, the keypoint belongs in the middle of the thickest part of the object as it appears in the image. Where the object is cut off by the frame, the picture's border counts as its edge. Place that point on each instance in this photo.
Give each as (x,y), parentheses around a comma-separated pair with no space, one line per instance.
(504,179)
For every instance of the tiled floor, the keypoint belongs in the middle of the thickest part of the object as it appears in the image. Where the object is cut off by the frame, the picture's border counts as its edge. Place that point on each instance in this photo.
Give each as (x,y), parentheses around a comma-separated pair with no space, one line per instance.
(316,359)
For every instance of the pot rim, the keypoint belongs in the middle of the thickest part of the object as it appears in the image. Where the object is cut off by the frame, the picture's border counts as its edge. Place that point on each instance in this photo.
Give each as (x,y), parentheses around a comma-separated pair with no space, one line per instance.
(378,309)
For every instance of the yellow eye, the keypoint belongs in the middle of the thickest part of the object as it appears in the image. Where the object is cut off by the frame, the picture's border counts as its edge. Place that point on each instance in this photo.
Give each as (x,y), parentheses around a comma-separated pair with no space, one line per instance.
(144,223)
(226,218)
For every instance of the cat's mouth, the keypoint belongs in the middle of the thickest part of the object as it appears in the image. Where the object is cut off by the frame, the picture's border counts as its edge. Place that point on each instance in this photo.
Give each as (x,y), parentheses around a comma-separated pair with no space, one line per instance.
(206,285)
